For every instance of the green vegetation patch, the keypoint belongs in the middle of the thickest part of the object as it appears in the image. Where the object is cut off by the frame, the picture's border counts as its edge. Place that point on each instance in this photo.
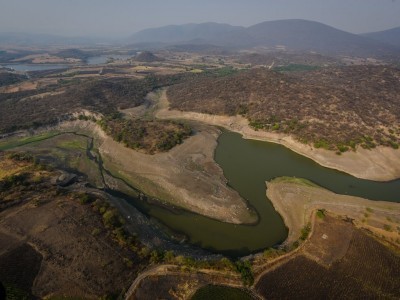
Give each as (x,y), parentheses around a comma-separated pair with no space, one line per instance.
(17,142)
(151,136)
(246,272)
(73,144)
(295,68)
(305,232)
(296,180)
(321,213)
(225,71)
(210,292)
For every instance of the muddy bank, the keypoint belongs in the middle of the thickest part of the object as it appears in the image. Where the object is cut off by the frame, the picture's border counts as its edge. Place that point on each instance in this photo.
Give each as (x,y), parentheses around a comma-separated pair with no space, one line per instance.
(296,199)
(186,176)
(380,164)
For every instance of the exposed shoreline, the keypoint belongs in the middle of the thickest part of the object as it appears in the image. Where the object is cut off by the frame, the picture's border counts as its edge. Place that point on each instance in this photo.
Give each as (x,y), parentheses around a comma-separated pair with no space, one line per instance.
(296,199)
(380,164)
(186,176)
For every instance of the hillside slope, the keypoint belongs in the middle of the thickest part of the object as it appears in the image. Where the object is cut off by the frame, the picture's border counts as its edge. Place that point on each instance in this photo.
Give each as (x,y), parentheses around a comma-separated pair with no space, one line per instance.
(314,36)
(390,36)
(334,108)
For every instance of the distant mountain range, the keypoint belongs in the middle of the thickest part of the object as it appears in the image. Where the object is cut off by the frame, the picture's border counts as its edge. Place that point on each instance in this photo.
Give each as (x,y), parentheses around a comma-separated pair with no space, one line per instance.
(293,34)
(31,39)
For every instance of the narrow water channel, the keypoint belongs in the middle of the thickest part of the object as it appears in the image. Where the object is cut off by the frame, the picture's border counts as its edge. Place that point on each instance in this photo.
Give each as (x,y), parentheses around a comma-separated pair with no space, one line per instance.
(247,164)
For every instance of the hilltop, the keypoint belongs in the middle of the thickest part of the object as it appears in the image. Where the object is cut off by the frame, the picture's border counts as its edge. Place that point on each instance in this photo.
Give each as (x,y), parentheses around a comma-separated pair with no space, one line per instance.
(147,56)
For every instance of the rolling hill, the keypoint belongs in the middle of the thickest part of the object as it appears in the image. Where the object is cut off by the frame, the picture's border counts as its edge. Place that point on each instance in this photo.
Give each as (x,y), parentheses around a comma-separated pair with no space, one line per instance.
(390,36)
(200,33)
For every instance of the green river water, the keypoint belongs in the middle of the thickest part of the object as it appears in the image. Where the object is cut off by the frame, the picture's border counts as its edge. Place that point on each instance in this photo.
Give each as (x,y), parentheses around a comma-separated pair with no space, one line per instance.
(247,164)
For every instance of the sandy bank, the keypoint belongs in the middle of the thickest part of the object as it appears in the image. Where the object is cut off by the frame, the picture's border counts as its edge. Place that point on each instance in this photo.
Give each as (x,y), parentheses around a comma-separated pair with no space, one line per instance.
(380,164)
(295,200)
(186,176)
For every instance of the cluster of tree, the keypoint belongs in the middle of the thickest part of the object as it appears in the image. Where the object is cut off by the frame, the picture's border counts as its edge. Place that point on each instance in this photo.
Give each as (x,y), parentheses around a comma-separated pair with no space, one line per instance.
(74,53)
(336,108)
(243,267)
(245,270)
(150,136)
(12,180)
(7,78)
(285,58)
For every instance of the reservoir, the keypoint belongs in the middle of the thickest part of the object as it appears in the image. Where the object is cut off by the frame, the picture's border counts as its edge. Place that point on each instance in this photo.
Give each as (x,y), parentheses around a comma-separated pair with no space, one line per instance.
(35,67)
(247,164)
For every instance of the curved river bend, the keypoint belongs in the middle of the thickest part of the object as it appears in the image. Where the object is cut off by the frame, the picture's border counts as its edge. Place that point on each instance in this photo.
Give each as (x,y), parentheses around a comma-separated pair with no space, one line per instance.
(247,164)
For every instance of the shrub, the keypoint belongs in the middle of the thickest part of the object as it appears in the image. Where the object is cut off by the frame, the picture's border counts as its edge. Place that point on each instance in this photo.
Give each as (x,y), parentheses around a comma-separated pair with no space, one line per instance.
(20,156)
(342,148)
(226,264)
(321,213)
(111,219)
(305,231)
(244,268)
(156,256)
(321,144)
(387,227)
(83,198)
(394,145)
(169,256)
(276,126)
(96,231)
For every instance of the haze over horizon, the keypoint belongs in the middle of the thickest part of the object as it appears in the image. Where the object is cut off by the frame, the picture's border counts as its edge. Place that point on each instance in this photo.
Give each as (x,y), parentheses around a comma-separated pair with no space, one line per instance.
(102,18)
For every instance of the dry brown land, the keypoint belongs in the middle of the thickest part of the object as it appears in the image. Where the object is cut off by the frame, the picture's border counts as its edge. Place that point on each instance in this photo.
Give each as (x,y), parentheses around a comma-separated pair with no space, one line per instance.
(339,261)
(186,176)
(51,245)
(296,199)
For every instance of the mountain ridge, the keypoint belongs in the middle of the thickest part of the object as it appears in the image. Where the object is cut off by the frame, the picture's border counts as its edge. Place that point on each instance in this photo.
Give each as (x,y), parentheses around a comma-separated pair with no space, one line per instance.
(389,36)
(294,34)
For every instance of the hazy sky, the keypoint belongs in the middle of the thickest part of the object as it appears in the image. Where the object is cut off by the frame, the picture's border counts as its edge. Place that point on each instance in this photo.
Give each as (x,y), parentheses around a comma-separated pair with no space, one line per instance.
(124,17)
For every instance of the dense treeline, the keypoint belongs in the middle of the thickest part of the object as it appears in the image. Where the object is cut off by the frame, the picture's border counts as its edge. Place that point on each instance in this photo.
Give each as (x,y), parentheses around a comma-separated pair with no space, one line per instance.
(10,78)
(334,108)
(150,136)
